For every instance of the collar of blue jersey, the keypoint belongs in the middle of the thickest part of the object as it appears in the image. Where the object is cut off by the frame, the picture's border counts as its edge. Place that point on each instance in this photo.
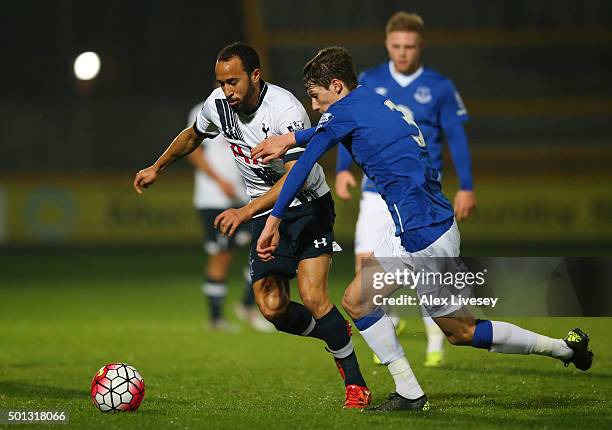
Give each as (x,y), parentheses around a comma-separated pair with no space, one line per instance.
(404,80)
(262,93)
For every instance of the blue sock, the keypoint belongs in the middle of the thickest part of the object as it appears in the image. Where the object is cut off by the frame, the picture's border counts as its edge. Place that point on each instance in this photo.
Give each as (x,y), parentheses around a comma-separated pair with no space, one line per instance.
(369,320)
(483,334)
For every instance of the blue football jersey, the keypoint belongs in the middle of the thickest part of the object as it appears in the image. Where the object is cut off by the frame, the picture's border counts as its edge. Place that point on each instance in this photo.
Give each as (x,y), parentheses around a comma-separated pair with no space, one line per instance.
(432,100)
(387,144)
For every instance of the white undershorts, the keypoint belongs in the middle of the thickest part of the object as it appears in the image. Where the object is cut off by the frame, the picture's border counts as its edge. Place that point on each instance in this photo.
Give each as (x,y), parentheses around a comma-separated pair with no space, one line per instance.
(373,222)
(392,257)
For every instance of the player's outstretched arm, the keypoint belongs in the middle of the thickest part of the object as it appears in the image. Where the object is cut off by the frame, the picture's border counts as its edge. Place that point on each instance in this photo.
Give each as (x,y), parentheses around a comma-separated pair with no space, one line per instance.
(276,146)
(293,181)
(229,220)
(319,144)
(273,147)
(186,141)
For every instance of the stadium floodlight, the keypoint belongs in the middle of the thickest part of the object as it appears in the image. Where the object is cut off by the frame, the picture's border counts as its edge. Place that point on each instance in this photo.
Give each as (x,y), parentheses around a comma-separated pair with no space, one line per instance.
(87,66)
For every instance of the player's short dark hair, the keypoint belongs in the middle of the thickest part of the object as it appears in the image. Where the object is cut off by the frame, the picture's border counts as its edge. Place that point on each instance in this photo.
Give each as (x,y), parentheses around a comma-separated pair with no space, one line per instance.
(247,54)
(330,63)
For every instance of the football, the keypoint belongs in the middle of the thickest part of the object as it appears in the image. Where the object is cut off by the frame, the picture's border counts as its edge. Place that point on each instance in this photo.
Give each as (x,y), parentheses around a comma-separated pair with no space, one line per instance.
(117,387)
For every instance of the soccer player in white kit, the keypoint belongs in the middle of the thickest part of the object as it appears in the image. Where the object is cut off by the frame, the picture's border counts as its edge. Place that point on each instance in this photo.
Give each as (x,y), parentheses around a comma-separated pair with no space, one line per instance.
(218,186)
(246,110)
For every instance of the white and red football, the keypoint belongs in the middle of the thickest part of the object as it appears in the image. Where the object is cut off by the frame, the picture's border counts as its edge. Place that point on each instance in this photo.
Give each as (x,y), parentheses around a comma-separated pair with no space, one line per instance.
(117,387)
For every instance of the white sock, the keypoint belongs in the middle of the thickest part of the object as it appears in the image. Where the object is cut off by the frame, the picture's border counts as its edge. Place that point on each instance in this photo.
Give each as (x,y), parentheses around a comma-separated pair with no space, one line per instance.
(435,336)
(214,289)
(406,384)
(511,339)
(556,348)
(395,320)
(381,339)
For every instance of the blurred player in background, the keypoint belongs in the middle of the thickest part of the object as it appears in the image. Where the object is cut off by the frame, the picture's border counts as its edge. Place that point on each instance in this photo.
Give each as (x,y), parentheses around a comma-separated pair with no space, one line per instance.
(436,107)
(218,186)
(246,110)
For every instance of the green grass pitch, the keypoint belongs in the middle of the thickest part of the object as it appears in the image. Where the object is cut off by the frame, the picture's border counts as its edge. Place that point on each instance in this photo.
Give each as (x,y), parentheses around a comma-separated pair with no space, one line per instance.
(63,314)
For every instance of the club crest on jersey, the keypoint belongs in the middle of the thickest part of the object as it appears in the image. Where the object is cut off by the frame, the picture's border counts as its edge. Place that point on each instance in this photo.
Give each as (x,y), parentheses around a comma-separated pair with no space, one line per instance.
(295,125)
(422,95)
(265,129)
(381,90)
(326,117)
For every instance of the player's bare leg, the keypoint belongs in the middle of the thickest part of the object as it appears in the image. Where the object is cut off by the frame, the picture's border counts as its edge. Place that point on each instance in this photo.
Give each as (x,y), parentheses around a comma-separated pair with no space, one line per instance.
(461,328)
(331,327)
(312,278)
(218,264)
(247,310)
(272,298)
(378,331)
(359,259)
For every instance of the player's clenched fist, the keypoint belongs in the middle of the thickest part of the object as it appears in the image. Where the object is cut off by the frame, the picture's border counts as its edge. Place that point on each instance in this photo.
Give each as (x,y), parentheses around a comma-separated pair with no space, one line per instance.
(229,220)
(268,239)
(464,204)
(344,180)
(145,178)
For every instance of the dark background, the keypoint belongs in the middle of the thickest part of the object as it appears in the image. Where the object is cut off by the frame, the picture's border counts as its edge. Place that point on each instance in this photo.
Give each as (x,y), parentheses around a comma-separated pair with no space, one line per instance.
(534,75)
(531,72)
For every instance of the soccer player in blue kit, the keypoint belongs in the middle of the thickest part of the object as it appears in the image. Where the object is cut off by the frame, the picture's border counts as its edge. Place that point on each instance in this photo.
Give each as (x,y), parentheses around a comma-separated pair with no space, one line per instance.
(437,108)
(387,144)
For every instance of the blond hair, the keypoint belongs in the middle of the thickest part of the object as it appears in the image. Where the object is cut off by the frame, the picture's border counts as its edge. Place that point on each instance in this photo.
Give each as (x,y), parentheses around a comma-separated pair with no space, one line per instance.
(403,21)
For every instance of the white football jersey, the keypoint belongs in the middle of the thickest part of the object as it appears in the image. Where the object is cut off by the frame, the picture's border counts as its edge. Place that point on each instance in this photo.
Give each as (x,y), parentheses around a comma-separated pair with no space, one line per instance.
(277,112)
(206,193)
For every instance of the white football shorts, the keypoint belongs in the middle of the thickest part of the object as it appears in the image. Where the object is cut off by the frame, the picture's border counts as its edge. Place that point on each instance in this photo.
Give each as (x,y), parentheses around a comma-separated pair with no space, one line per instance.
(442,256)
